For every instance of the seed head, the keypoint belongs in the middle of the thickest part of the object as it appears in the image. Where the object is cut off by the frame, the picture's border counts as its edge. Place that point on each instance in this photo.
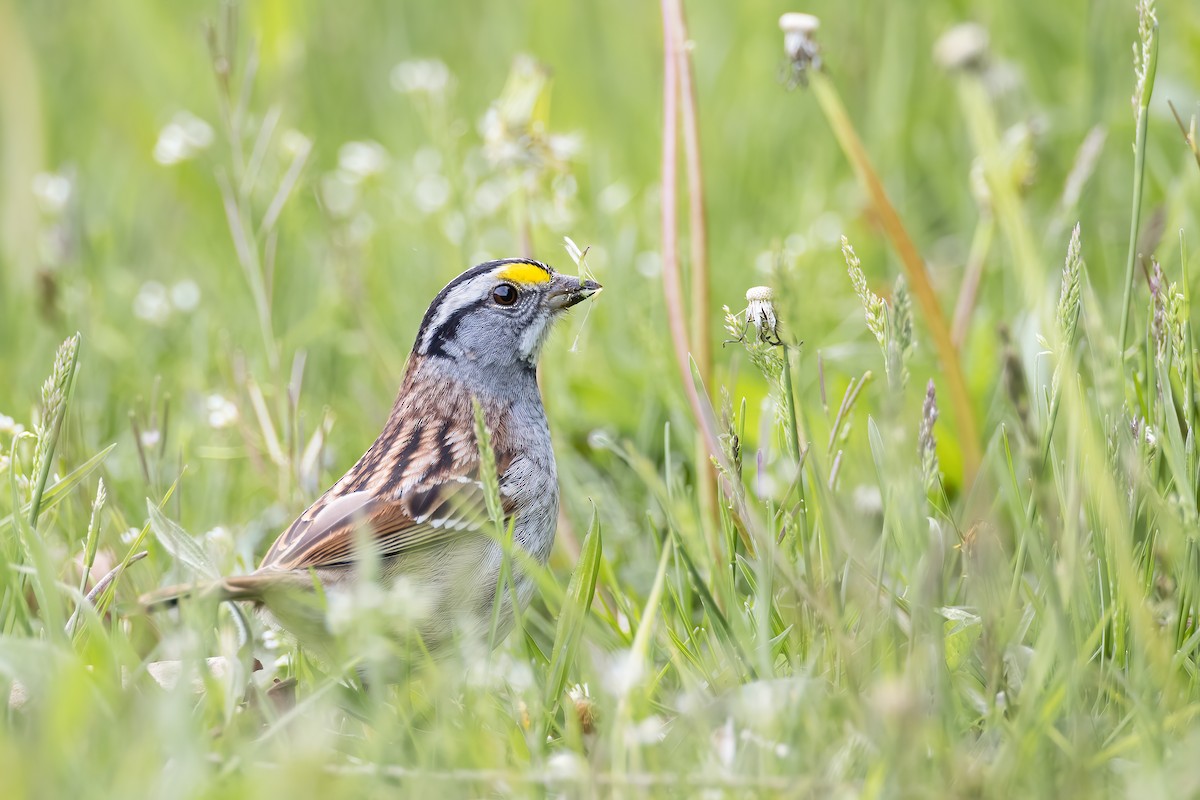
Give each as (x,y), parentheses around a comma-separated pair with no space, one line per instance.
(798,43)
(760,314)
(1069,296)
(962,48)
(873,306)
(926,442)
(1143,52)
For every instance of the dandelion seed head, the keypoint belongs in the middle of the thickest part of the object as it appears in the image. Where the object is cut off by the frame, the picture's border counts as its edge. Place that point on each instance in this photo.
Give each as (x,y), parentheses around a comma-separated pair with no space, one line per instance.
(427,76)
(801,48)
(962,47)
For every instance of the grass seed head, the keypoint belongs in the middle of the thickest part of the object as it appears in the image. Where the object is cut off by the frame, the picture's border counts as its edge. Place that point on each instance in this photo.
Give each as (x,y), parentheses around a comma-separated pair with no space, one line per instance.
(1142,51)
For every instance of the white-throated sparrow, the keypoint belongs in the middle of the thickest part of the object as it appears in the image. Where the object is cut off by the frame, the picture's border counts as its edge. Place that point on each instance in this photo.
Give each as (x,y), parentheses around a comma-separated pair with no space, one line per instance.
(415,497)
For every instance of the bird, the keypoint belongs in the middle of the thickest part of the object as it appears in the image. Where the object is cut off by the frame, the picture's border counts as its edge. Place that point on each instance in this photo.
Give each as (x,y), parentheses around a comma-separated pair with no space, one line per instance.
(413,509)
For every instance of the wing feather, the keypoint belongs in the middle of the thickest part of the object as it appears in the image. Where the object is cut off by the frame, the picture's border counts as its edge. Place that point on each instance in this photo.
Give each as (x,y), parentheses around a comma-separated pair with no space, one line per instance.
(421,516)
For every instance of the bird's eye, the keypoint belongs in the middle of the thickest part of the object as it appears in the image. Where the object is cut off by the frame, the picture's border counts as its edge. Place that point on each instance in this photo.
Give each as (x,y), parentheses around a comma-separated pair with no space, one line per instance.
(505,294)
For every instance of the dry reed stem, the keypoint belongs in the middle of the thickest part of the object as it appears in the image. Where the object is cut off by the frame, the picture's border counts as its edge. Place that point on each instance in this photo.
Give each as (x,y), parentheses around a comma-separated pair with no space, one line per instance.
(914,266)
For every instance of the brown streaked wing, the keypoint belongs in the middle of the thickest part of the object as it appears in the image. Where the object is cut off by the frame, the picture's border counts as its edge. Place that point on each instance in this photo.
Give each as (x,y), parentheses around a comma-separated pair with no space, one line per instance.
(422,516)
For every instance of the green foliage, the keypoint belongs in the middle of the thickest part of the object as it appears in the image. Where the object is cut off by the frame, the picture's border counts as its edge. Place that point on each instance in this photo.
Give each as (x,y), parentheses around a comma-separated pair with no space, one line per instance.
(244,210)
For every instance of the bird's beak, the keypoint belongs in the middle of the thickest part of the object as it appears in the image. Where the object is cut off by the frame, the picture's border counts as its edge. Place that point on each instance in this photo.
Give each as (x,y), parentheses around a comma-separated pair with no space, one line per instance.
(567,290)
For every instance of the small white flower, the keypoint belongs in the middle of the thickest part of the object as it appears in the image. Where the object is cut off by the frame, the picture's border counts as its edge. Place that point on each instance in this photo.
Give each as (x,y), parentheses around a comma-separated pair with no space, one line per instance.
(338,194)
(130,536)
(182,138)
(270,640)
(406,604)
(564,146)
(648,263)
(185,295)
(613,198)
(490,196)
(796,244)
(566,766)
(219,536)
(7,424)
(52,191)
(152,303)
(421,76)
(651,730)
(724,744)
(150,438)
(361,228)
(221,412)
(294,142)
(625,672)
(431,193)
(347,607)
(361,160)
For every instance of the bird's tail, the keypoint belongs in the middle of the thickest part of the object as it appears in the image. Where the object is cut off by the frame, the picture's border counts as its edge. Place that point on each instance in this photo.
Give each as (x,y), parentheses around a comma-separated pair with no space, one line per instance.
(251,588)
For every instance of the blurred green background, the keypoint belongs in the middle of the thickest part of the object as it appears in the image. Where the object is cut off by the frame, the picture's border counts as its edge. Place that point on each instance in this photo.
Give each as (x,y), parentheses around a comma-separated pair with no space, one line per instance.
(89,89)
(115,143)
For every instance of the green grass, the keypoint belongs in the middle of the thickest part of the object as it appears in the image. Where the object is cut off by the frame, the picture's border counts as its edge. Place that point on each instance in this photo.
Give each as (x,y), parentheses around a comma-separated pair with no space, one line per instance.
(861,610)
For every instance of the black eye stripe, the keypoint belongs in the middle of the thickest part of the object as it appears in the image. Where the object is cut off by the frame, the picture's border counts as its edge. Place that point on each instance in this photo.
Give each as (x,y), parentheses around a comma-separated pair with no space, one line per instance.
(430,340)
(446,331)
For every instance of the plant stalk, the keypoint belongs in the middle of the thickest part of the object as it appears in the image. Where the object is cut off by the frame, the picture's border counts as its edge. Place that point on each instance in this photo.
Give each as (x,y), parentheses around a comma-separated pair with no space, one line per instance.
(852,146)
(1139,174)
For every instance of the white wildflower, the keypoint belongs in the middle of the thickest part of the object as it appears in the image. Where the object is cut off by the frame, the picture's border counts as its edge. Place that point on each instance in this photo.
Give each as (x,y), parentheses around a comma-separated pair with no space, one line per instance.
(182,138)
(185,295)
(152,303)
(431,193)
(624,673)
(361,160)
(338,193)
(221,412)
(421,76)
(566,766)
(651,730)
(295,143)
(613,198)
(52,191)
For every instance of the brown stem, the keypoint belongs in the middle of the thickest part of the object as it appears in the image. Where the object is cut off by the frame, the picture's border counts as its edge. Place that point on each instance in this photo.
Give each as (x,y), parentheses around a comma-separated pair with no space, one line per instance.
(701,348)
(914,267)
(969,291)
(697,221)
(672,283)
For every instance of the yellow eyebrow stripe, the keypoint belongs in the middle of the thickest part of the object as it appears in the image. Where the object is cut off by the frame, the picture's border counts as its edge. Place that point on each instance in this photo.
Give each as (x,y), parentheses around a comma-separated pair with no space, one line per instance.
(524,273)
